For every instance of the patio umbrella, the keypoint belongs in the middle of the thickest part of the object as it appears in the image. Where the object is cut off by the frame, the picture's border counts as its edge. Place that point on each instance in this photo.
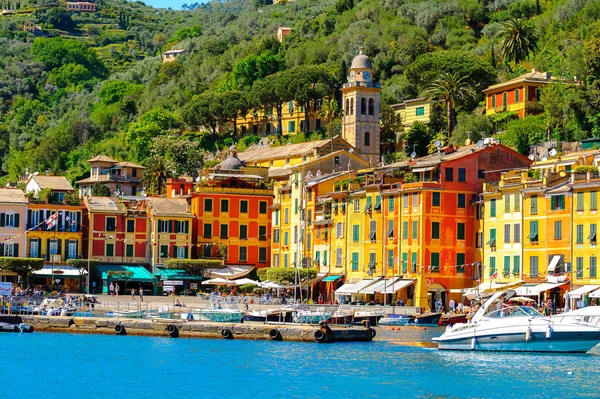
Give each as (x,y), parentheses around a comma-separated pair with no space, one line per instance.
(217,281)
(243,281)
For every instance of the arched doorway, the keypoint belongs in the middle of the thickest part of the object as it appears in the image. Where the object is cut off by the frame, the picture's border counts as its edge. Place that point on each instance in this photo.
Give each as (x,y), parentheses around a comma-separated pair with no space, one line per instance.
(436,292)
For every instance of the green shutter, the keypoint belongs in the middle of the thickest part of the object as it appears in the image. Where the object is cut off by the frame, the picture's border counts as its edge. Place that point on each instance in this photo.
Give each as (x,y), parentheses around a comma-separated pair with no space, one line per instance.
(17,219)
(404,262)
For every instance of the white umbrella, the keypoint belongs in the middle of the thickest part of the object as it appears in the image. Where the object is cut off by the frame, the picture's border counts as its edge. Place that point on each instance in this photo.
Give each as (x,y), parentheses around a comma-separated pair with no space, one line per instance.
(216,281)
(270,284)
(243,281)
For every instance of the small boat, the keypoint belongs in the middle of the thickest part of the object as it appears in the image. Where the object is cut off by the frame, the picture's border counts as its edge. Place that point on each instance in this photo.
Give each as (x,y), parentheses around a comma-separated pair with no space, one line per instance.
(428,319)
(303,314)
(393,319)
(278,315)
(372,315)
(499,327)
(342,316)
(129,314)
(451,319)
(220,311)
(14,324)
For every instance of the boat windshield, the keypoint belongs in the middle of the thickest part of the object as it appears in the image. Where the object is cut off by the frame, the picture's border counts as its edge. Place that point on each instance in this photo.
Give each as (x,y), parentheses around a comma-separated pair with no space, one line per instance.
(514,311)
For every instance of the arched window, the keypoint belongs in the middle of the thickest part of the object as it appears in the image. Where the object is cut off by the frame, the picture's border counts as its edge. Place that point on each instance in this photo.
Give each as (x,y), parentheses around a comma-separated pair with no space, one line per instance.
(371,106)
(363,106)
(347,107)
(517,95)
(351,106)
(493,100)
(367,139)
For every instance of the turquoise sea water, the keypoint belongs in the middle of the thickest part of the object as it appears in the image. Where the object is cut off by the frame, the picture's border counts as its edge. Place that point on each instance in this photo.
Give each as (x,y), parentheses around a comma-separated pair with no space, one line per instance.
(64,366)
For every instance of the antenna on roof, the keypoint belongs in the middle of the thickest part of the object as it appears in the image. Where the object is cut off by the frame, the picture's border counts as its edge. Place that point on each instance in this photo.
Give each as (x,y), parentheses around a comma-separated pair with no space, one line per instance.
(552,152)
(413,154)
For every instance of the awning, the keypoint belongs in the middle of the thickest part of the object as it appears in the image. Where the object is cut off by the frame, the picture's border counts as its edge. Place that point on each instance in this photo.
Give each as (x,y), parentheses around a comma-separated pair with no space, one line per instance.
(320,276)
(345,289)
(230,271)
(176,274)
(60,271)
(331,278)
(595,294)
(553,263)
(138,273)
(398,284)
(427,169)
(362,285)
(535,290)
(577,293)
(492,286)
(375,287)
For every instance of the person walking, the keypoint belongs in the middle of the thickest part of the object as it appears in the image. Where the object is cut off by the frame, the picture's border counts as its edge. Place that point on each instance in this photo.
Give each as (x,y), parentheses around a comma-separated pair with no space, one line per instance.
(141,294)
(133,294)
(111,289)
(452,306)
(117,289)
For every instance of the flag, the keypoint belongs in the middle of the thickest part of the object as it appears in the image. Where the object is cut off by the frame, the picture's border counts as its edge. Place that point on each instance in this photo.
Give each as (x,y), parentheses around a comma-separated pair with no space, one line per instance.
(494,276)
(51,221)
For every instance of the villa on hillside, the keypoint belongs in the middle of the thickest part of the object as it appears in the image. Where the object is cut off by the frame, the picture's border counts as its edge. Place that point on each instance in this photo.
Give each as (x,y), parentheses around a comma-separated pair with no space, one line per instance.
(81,6)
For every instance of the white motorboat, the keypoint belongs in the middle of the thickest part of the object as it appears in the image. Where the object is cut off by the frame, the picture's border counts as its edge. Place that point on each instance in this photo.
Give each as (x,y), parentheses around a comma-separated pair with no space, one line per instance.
(219,311)
(304,314)
(498,327)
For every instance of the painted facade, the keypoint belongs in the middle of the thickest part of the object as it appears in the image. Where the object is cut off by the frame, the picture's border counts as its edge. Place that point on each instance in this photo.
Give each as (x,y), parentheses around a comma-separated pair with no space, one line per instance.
(121,178)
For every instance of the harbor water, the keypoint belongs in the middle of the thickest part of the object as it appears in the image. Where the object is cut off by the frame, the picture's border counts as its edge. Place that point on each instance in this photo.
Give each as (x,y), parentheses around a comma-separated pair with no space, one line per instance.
(64,366)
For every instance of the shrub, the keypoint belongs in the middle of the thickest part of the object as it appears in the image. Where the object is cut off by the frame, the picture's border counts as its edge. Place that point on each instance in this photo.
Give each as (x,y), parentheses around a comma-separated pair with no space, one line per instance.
(195,267)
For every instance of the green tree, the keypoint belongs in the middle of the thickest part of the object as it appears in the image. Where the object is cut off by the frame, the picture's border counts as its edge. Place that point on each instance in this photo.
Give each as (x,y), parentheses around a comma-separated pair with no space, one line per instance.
(60,18)
(205,110)
(452,89)
(471,127)
(273,91)
(309,83)
(521,133)
(518,37)
(255,67)
(154,123)
(187,155)
(69,75)
(100,190)
(55,52)
(157,170)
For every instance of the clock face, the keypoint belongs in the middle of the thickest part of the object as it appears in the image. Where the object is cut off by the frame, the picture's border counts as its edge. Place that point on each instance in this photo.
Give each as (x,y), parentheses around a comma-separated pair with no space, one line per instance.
(366,75)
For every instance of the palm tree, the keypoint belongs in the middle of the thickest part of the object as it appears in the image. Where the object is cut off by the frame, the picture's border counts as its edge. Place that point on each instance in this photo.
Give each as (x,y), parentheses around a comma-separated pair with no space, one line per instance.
(158,169)
(452,89)
(518,38)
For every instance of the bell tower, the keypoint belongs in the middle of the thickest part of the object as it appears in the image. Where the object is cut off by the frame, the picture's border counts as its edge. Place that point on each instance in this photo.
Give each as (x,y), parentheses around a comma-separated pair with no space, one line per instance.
(361,101)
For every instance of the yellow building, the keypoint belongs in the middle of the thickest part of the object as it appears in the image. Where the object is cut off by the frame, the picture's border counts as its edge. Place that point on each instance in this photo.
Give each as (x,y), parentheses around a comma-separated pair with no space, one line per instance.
(413,110)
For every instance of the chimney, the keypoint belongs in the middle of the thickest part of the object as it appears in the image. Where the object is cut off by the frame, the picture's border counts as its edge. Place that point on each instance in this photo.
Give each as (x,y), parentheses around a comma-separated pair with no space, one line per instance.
(533,70)
(546,75)
(449,150)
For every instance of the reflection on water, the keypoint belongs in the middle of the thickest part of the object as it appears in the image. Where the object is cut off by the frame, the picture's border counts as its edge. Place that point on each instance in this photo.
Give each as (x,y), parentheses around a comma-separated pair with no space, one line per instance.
(66,366)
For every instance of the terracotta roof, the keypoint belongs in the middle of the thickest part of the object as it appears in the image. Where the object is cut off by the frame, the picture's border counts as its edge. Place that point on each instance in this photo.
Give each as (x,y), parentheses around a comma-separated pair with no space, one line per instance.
(12,195)
(104,204)
(532,77)
(128,165)
(53,182)
(102,158)
(169,207)
(361,61)
(281,151)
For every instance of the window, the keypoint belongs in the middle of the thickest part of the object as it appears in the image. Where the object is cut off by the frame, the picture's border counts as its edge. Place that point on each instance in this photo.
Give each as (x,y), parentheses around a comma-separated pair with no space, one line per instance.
(372,260)
(404,262)
(506,270)
(506,203)
(363,106)
(592,267)
(339,230)
(504,100)
(354,261)
(208,203)
(516,265)
(243,206)
(390,231)
(262,254)
(371,106)
(164,226)
(324,258)
(534,204)
(479,239)
(131,226)
(262,207)
(405,204)
(110,249)
(517,232)
(224,206)
(357,205)
(390,258)
(276,217)
(111,224)
(558,230)
(285,260)
(286,238)
(462,175)
(579,235)
(493,208)
(295,234)
(34,248)
(533,266)
(435,262)
(449,174)
(296,207)
(9,219)
(182,227)
(377,203)
(579,202)
(460,262)
(419,111)
(405,230)
(372,230)
(347,107)
(415,199)
(367,139)
(460,231)
(517,95)
(352,106)
(557,202)
(413,267)
(338,257)
(462,201)
(593,200)
(435,199)
(415,229)
(492,241)
(243,232)
(291,107)
(11,249)
(243,254)
(592,236)
(517,202)
(493,97)
(355,233)
(435,230)
(507,233)
(181,252)
(207,232)
(533,231)
(262,233)
(492,265)
(579,271)
(391,204)
(286,215)
(276,236)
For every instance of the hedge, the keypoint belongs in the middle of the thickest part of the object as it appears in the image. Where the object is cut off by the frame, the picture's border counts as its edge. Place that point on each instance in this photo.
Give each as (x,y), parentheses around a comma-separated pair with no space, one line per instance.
(285,275)
(83,263)
(195,267)
(22,266)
